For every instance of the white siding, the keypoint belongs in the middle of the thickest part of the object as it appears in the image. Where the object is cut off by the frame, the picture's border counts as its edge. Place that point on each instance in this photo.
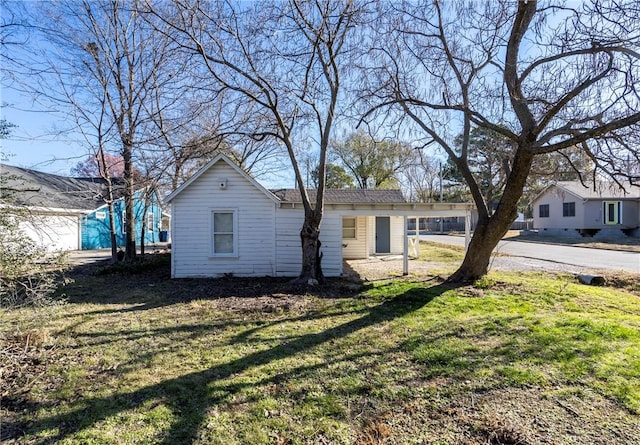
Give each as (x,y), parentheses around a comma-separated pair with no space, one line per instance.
(555,198)
(397,235)
(191,226)
(289,249)
(331,238)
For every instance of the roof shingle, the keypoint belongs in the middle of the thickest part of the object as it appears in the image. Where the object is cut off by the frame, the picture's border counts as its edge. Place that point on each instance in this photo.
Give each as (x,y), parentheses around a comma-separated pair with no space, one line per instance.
(344,196)
(38,189)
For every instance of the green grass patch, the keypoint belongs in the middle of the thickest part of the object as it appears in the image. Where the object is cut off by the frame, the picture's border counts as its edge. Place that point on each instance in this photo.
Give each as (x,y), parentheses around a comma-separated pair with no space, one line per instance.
(138,358)
(438,252)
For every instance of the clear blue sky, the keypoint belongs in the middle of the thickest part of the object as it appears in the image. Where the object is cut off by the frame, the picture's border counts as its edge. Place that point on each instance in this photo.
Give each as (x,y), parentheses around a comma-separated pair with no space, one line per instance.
(35,142)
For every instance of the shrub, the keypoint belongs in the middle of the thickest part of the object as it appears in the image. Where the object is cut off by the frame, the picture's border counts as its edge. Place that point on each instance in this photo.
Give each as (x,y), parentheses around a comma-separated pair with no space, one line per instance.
(28,272)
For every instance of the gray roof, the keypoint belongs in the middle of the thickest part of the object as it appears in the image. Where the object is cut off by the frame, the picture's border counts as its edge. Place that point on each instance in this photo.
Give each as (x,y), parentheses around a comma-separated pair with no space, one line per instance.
(38,189)
(345,196)
(602,190)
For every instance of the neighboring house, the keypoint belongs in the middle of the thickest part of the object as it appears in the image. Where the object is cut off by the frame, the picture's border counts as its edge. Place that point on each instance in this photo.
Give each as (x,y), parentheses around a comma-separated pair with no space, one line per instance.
(66,213)
(223,222)
(571,208)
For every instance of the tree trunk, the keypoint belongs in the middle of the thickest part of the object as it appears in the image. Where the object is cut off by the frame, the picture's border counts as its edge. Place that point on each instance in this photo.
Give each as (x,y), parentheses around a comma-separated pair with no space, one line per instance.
(486,236)
(311,272)
(491,229)
(143,231)
(130,235)
(130,222)
(112,229)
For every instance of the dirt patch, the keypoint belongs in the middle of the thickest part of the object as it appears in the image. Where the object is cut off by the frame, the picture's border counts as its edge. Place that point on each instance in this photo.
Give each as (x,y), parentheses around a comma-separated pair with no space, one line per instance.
(24,359)
(534,416)
(507,416)
(151,285)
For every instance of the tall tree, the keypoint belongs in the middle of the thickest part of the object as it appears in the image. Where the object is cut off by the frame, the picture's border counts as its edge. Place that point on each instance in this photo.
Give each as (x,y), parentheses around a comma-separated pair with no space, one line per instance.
(421,178)
(284,61)
(337,177)
(373,164)
(100,63)
(545,76)
(126,55)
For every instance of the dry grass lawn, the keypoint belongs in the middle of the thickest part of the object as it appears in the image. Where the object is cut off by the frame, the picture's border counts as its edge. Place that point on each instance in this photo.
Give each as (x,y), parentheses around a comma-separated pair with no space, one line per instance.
(132,357)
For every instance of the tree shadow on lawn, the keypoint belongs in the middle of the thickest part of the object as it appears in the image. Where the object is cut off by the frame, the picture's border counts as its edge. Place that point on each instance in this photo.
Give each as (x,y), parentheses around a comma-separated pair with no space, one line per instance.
(190,396)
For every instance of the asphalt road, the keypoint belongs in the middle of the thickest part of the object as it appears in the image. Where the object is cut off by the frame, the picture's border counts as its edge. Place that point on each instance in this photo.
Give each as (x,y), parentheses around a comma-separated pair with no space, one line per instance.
(529,255)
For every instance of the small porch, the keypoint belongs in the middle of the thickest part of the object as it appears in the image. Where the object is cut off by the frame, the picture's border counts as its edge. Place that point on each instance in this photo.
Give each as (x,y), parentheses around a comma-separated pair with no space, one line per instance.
(370,230)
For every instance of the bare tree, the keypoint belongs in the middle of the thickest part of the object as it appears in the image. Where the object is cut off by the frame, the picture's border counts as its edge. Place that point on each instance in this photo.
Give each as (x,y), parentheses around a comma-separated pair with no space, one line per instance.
(284,61)
(544,76)
(126,56)
(420,178)
(103,63)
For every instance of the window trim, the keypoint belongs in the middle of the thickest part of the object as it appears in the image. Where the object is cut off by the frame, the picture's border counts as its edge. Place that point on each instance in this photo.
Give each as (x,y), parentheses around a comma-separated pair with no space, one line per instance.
(354,228)
(548,211)
(150,224)
(212,234)
(617,213)
(569,209)
(124,222)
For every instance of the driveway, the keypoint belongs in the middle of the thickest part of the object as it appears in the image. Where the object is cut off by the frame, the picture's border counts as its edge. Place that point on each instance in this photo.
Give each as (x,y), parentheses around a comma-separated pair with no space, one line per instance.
(530,255)
(99,256)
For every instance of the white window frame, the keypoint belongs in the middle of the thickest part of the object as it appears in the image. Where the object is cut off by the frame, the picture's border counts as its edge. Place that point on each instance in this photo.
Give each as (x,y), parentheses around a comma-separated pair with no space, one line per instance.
(124,221)
(150,223)
(355,227)
(617,205)
(101,215)
(212,233)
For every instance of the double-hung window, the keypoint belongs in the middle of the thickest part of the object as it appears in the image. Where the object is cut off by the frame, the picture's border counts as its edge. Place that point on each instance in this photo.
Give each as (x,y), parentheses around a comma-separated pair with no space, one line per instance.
(348,228)
(150,222)
(568,209)
(543,210)
(224,233)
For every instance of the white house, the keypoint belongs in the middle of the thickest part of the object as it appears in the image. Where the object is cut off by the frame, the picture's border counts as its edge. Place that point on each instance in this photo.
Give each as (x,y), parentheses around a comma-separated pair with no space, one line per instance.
(223,222)
(571,208)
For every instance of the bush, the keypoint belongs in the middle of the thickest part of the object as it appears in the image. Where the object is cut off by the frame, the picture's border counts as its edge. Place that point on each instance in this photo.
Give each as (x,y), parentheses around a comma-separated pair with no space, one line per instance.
(28,272)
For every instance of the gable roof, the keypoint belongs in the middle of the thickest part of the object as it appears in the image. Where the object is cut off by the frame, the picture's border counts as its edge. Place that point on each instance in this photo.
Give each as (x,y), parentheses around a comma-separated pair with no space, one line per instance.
(33,188)
(219,158)
(344,196)
(601,190)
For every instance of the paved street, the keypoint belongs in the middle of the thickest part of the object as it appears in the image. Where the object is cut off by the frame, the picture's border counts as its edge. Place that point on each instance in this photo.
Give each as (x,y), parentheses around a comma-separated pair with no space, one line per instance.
(555,257)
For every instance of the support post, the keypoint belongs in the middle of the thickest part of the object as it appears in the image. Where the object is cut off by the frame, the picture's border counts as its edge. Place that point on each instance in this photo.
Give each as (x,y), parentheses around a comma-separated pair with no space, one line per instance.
(405,253)
(417,238)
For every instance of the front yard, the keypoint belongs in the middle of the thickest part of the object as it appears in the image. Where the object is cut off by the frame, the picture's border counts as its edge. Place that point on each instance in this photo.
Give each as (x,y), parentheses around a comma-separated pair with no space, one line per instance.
(136,358)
